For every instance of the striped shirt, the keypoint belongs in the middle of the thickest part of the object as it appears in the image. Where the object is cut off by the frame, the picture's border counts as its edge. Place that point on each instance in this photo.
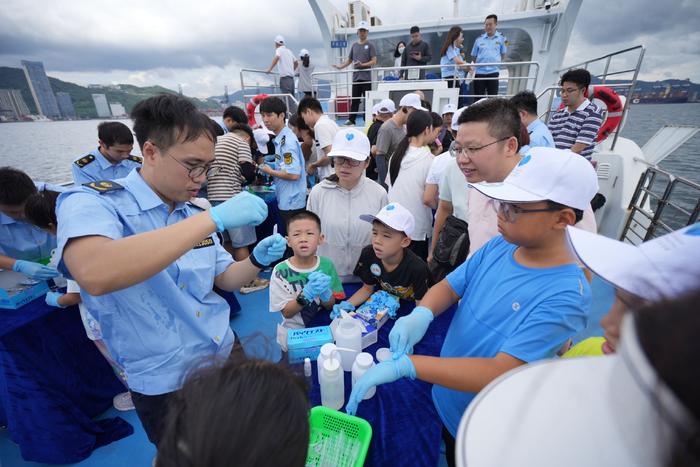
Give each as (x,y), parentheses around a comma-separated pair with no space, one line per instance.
(581,126)
(230,151)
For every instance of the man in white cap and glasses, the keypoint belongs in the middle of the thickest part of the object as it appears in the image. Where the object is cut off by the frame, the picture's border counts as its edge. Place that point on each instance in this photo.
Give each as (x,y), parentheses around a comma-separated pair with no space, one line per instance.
(392,132)
(363,56)
(519,298)
(286,64)
(629,408)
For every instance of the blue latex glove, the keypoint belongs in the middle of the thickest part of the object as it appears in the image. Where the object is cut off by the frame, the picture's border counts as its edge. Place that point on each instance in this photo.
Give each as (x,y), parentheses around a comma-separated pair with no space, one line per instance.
(382,373)
(409,330)
(344,305)
(317,286)
(269,249)
(34,270)
(240,210)
(52,299)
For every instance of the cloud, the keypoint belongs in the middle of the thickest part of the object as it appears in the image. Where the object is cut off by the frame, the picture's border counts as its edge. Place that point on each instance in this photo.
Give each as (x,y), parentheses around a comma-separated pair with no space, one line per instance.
(203,45)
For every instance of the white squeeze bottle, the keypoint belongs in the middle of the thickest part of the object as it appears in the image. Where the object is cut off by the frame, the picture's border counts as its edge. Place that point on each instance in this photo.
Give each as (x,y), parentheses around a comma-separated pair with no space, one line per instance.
(332,384)
(348,337)
(363,362)
(324,354)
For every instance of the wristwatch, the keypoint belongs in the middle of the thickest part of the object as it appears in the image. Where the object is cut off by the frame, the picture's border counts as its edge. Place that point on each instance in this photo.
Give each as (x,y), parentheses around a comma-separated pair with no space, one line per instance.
(301,300)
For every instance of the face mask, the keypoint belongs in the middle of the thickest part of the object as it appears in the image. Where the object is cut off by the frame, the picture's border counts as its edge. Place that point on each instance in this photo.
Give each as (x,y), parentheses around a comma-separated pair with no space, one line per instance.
(401,49)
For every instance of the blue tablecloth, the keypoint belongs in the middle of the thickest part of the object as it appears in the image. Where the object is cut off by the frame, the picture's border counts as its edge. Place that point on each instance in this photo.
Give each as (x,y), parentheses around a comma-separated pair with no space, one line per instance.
(406,429)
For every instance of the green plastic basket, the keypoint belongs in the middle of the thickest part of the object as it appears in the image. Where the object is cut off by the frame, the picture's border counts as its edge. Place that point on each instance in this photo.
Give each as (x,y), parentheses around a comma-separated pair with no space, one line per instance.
(327,423)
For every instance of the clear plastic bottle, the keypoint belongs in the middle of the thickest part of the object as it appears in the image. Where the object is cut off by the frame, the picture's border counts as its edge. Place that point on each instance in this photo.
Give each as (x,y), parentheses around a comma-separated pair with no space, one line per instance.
(332,384)
(324,354)
(348,337)
(363,362)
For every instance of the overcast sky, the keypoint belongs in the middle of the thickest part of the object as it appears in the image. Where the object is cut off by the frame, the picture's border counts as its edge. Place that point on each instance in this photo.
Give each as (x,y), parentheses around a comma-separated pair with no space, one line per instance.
(203,44)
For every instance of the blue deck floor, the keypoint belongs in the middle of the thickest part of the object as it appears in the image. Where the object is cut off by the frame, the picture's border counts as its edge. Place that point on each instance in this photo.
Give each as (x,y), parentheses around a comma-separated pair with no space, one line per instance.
(257,328)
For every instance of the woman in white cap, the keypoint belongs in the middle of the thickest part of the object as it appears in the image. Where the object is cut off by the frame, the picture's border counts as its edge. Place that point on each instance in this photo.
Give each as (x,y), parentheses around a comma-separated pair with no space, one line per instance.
(638,406)
(340,199)
(304,70)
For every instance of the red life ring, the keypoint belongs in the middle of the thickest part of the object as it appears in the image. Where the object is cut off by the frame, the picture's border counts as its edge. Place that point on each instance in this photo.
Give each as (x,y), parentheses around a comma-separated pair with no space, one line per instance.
(614,109)
(250,108)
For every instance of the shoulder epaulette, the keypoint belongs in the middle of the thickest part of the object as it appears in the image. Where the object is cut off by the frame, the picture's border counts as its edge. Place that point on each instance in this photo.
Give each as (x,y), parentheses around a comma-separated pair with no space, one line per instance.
(137,159)
(104,186)
(85,160)
(192,205)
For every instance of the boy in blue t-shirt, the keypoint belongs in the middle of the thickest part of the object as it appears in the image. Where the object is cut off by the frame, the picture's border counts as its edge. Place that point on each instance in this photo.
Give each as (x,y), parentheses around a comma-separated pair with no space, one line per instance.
(521,296)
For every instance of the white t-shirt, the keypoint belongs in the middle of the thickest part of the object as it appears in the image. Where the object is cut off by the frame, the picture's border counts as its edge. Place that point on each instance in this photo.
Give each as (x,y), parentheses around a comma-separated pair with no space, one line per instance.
(454,188)
(285,65)
(324,132)
(92,327)
(437,168)
(409,187)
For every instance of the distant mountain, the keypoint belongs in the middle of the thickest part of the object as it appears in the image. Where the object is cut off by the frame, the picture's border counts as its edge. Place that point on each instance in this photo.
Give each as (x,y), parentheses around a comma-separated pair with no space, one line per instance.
(126,94)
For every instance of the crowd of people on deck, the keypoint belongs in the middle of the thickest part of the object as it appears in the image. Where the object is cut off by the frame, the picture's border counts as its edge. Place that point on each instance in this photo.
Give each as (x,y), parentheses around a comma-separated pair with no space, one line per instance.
(484,207)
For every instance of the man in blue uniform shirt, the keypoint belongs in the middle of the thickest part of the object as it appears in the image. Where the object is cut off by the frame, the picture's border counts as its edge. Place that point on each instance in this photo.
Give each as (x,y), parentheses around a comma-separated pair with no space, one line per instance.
(490,47)
(147,260)
(526,103)
(288,171)
(22,245)
(112,159)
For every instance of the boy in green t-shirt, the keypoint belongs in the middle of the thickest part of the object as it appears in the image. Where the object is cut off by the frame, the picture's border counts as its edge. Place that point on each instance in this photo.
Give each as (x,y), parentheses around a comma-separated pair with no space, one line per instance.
(305,283)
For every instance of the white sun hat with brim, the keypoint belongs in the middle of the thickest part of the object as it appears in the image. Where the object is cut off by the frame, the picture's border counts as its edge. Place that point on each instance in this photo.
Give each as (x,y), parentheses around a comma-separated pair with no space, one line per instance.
(545,174)
(578,412)
(395,216)
(351,143)
(664,267)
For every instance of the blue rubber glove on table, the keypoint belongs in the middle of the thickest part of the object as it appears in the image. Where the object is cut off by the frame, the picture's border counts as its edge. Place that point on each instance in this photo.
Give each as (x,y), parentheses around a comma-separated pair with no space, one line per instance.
(238,211)
(344,305)
(34,270)
(409,330)
(382,373)
(269,249)
(52,299)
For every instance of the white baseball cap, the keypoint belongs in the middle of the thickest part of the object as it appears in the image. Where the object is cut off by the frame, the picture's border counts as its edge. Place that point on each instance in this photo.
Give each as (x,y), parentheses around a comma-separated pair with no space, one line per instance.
(363,25)
(386,106)
(395,216)
(411,100)
(303,53)
(448,109)
(262,137)
(544,174)
(279,39)
(455,117)
(352,143)
(664,267)
(375,109)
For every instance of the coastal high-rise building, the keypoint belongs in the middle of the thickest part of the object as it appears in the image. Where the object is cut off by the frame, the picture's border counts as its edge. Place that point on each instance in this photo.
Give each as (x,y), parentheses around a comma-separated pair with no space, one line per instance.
(41,90)
(101,105)
(117,109)
(65,105)
(12,104)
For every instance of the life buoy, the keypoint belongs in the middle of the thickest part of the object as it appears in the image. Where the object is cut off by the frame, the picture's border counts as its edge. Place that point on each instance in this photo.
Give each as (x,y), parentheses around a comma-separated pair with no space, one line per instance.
(615,107)
(250,108)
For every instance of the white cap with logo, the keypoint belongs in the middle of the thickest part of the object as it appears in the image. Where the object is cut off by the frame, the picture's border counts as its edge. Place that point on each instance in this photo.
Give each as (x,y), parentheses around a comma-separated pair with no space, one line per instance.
(448,109)
(352,143)
(545,174)
(363,25)
(664,267)
(395,216)
(411,100)
(386,106)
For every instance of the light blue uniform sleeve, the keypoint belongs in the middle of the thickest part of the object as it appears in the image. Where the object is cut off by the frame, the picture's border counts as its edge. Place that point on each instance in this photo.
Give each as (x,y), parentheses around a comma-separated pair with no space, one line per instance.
(451,53)
(79,175)
(294,166)
(550,325)
(83,214)
(223,258)
(502,43)
(475,48)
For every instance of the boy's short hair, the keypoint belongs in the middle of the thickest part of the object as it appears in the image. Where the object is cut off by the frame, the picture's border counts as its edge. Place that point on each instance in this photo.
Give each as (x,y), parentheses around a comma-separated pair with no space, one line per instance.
(581,77)
(501,115)
(167,119)
(236,114)
(111,133)
(525,100)
(273,105)
(309,103)
(304,214)
(40,209)
(15,186)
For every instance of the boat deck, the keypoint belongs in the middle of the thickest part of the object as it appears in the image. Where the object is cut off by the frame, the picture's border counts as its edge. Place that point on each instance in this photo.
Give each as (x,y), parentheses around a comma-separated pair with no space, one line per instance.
(254,319)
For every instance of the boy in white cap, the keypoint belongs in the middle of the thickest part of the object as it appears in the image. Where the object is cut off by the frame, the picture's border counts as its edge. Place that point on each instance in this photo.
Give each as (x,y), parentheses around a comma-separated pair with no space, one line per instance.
(387,262)
(520,297)
(286,64)
(305,70)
